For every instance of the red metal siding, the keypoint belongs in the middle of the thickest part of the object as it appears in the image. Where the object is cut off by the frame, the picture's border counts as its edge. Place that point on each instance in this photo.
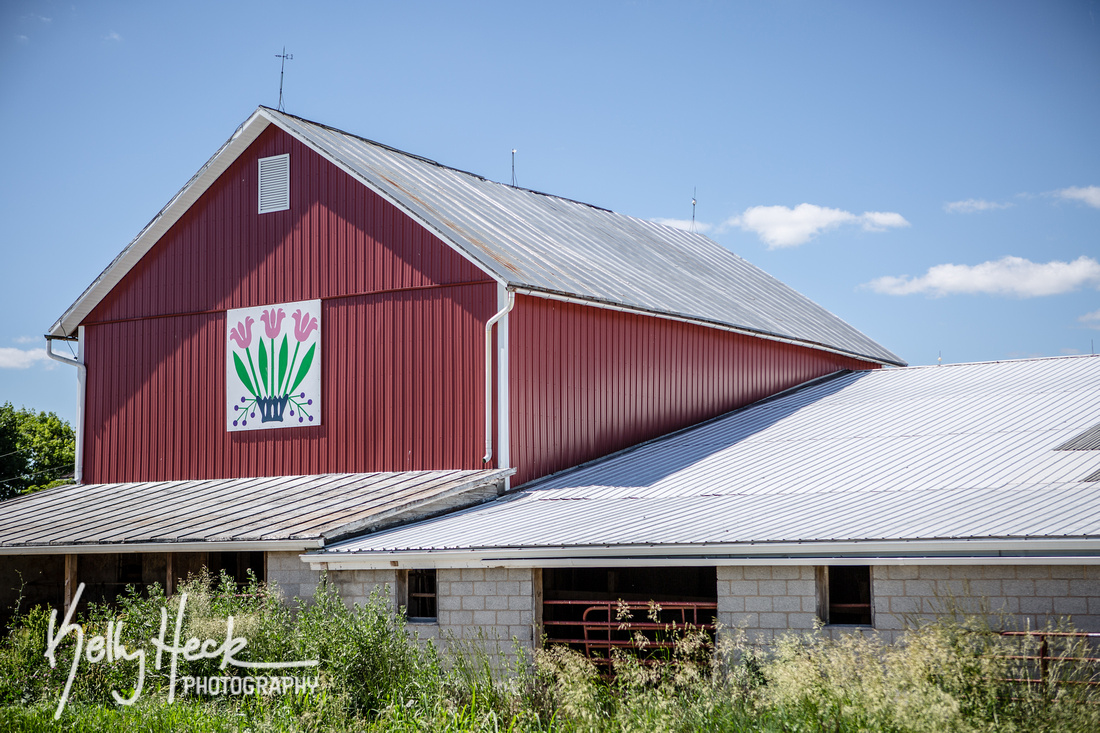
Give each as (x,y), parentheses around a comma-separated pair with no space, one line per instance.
(403,326)
(338,238)
(402,390)
(585,382)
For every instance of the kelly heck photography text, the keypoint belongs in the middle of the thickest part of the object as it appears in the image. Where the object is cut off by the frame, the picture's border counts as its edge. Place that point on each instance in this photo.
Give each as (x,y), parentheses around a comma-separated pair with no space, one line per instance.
(109,648)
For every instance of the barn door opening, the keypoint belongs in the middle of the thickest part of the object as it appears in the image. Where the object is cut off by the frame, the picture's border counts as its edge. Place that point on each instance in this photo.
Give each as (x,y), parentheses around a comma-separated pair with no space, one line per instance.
(596,610)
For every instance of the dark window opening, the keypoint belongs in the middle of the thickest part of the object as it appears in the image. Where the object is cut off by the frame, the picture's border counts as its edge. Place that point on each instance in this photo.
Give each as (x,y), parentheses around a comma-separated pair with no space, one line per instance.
(421,603)
(237,566)
(631,584)
(108,576)
(27,581)
(848,595)
(129,568)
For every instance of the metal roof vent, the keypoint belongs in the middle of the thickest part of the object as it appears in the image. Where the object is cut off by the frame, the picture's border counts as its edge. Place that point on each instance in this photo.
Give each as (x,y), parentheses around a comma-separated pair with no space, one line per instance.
(275,183)
(1088,440)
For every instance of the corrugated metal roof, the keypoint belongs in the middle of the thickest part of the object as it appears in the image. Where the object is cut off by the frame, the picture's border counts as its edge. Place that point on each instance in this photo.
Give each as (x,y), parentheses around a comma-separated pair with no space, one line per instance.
(551,244)
(1088,440)
(233,510)
(954,452)
(538,242)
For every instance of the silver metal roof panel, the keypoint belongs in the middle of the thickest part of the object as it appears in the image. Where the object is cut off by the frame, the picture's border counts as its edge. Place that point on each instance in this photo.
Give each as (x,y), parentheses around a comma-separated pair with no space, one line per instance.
(956,452)
(555,245)
(253,510)
(1088,440)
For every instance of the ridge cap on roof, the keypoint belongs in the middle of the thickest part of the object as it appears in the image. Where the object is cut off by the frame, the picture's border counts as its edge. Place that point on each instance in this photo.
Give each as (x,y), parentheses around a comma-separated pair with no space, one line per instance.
(444,166)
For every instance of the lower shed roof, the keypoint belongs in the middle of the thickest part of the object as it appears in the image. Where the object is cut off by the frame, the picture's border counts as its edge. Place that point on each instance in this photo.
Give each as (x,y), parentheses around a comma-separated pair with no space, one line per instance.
(966,458)
(279,512)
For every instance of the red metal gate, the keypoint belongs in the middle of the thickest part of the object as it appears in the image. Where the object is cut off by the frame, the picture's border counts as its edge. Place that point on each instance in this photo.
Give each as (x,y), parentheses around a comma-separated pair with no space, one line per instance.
(607,625)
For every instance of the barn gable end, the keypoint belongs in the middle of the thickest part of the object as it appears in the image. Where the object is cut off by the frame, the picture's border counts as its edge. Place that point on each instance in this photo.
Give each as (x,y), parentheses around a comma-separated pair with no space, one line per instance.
(403,317)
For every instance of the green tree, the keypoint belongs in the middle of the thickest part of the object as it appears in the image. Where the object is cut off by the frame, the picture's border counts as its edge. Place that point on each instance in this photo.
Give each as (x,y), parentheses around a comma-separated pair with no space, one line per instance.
(36,450)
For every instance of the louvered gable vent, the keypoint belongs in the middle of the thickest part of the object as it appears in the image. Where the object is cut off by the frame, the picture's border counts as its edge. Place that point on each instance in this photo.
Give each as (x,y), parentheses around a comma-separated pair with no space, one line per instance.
(275,183)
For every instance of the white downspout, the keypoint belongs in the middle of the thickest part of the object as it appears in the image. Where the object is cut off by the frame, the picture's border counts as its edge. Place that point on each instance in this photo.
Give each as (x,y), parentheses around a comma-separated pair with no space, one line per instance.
(82,380)
(503,380)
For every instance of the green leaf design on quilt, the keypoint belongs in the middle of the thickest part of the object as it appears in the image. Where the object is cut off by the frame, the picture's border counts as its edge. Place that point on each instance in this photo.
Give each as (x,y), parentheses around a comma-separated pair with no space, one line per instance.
(263,366)
(307,362)
(282,363)
(243,374)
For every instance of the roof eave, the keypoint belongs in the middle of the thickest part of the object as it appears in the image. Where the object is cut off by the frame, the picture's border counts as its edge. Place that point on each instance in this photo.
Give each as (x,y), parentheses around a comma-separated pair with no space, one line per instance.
(969,551)
(100,548)
(238,142)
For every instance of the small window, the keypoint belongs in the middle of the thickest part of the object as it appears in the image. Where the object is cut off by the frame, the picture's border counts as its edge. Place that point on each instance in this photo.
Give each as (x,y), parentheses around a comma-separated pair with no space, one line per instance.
(845,595)
(421,604)
(275,183)
(129,568)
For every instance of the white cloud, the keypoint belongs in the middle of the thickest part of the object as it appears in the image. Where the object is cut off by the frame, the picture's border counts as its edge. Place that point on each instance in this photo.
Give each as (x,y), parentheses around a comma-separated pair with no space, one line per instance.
(27,339)
(969,206)
(1089,195)
(112,36)
(779,226)
(1092,320)
(880,221)
(685,224)
(22,39)
(12,358)
(1007,276)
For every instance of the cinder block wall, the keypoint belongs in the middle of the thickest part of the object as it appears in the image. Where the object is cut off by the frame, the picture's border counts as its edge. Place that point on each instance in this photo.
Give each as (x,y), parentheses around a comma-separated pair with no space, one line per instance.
(502,602)
(495,604)
(1012,595)
(294,577)
(767,600)
(358,586)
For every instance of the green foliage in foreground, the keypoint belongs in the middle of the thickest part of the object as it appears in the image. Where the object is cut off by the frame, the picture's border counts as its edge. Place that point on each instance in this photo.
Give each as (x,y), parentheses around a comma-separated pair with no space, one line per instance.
(376,676)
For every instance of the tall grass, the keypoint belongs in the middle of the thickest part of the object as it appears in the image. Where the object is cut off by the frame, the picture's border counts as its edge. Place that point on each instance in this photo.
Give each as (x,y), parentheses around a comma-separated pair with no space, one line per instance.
(952,674)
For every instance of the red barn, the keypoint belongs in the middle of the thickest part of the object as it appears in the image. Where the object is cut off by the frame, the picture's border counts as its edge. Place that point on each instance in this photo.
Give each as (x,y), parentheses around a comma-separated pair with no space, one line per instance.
(469,333)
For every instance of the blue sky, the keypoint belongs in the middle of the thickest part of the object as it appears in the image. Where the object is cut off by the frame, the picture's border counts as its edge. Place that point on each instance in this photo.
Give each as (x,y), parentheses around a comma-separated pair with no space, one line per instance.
(930,172)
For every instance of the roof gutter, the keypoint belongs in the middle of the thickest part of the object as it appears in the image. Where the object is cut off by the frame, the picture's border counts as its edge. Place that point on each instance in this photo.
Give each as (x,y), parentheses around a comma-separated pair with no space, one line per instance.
(93,548)
(898,552)
(82,380)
